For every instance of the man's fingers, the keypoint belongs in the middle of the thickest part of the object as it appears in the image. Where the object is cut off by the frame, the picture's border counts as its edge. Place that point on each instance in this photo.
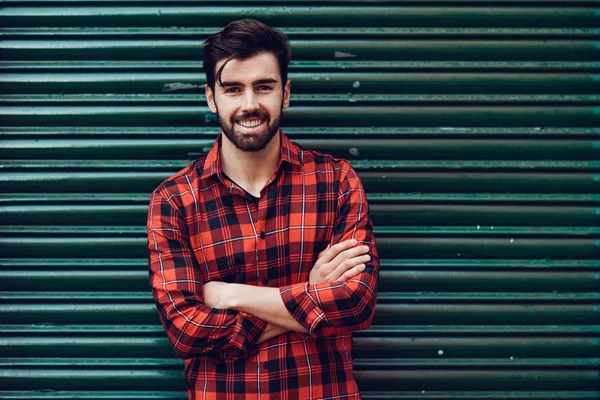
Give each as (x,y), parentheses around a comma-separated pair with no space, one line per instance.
(334,261)
(351,273)
(336,249)
(350,253)
(323,252)
(348,265)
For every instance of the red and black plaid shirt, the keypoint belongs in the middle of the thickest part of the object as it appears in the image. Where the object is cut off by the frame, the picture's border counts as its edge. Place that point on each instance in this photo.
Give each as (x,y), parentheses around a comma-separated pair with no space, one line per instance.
(203,227)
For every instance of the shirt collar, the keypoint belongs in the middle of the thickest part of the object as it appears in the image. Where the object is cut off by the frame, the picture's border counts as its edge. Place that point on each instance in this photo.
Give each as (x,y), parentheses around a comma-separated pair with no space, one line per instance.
(290,153)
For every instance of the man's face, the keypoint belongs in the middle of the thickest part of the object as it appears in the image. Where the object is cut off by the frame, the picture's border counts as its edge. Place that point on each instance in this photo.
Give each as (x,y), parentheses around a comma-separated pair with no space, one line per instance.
(250,101)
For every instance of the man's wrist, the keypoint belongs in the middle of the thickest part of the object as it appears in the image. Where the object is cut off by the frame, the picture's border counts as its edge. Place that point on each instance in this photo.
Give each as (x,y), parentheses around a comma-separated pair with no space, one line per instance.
(232,295)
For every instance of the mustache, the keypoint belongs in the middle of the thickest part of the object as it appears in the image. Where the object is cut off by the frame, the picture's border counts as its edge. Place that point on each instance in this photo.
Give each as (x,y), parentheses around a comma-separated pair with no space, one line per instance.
(253,114)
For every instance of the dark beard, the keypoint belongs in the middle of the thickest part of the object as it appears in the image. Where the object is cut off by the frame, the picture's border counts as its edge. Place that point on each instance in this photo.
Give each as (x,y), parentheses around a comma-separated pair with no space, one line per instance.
(255,142)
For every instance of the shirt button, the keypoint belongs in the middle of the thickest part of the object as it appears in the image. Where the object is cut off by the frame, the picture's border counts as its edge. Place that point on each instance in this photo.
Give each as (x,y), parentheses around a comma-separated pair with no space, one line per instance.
(262,235)
(265,281)
(265,365)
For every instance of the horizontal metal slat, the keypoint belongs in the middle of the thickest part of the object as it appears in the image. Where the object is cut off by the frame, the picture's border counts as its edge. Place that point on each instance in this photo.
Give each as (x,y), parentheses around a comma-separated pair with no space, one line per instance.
(102,395)
(388,247)
(483,363)
(554,3)
(196,133)
(384,50)
(410,247)
(91,346)
(78,280)
(404,379)
(310,32)
(388,314)
(50,264)
(408,215)
(132,165)
(406,153)
(99,379)
(123,363)
(451,297)
(509,233)
(360,364)
(308,83)
(476,199)
(351,114)
(373,395)
(417,66)
(483,265)
(504,218)
(304,100)
(491,314)
(397,349)
(500,345)
(140,264)
(504,347)
(383,181)
(300,16)
(375,331)
(390,281)
(439,379)
(438,281)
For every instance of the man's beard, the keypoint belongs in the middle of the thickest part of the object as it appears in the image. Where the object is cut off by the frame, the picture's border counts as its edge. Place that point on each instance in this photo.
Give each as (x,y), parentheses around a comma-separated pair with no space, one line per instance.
(254,142)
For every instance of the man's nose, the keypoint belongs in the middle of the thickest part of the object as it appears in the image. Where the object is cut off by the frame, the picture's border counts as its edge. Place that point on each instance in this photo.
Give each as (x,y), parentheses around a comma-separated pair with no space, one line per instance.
(250,101)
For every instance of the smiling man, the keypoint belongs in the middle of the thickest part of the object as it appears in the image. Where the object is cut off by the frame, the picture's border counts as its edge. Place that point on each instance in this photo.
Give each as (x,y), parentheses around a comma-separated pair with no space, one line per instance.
(262,258)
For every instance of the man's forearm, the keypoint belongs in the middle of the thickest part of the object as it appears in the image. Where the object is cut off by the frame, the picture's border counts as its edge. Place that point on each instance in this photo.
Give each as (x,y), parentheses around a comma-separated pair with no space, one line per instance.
(271,331)
(264,303)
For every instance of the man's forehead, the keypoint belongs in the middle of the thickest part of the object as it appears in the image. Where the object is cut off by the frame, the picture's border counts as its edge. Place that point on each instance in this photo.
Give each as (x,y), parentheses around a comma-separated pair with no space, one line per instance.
(259,67)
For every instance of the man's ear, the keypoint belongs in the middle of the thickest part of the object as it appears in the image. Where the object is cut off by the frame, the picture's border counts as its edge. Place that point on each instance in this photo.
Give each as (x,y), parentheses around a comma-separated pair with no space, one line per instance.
(286,93)
(210,99)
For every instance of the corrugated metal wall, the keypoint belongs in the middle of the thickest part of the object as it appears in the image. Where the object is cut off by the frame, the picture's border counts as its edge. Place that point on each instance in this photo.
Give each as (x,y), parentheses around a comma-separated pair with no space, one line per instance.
(475,128)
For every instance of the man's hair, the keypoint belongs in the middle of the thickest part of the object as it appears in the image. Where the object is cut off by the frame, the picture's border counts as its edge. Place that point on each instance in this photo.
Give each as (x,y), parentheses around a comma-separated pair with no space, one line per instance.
(241,40)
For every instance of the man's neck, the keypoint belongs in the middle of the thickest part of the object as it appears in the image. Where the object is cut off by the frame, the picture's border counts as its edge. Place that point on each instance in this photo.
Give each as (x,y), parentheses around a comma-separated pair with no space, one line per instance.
(250,170)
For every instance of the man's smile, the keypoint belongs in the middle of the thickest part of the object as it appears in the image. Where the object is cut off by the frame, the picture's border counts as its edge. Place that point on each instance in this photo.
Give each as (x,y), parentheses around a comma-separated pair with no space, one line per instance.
(250,123)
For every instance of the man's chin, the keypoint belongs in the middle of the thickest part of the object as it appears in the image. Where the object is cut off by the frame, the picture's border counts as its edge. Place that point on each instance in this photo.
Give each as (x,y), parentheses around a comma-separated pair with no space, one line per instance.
(251,142)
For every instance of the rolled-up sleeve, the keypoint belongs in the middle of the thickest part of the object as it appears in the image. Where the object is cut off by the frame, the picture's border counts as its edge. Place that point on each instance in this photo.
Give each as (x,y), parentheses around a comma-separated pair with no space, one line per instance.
(336,308)
(192,327)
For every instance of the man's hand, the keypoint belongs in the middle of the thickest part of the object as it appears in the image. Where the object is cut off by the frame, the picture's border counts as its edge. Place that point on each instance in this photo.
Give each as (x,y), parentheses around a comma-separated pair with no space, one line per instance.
(339,263)
(216,294)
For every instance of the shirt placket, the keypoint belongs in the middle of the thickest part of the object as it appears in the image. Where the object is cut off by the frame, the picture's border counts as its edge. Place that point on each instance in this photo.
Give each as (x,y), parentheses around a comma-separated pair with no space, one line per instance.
(260,229)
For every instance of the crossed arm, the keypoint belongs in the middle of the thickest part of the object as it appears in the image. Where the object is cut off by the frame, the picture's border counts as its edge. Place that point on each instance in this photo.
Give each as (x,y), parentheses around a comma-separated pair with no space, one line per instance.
(338,263)
(228,320)
(264,303)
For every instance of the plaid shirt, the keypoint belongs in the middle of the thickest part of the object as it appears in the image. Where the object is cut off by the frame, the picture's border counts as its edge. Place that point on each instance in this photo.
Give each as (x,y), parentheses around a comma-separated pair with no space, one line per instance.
(203,227)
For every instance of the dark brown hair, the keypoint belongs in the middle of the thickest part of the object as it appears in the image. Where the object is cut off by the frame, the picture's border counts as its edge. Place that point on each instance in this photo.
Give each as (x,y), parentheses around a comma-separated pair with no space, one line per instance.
(241,40)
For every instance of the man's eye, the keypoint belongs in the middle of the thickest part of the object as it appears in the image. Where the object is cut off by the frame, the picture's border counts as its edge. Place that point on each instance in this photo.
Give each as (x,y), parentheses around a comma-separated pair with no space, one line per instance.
(264,87)
(232,90)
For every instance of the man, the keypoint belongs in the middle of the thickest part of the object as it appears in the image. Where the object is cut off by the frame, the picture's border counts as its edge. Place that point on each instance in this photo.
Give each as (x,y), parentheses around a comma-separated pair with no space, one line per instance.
(262,256)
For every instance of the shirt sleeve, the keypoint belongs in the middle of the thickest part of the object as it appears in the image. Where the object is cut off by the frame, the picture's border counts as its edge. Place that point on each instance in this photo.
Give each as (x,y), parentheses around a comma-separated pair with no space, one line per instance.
(192,327)
(335,308)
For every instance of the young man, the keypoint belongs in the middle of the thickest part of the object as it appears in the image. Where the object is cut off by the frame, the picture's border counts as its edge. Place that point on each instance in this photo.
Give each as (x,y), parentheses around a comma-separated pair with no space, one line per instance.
(262,256)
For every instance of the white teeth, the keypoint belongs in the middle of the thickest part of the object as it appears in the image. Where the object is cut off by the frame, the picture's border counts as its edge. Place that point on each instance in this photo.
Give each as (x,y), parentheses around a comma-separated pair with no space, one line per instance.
(249,124)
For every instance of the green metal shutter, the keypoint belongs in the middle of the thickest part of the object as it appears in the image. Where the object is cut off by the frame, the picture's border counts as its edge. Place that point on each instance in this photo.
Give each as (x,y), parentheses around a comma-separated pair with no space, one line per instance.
(473,124)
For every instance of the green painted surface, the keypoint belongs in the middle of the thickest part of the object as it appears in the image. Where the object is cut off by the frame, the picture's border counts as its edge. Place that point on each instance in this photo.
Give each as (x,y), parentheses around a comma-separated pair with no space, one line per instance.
(473,125)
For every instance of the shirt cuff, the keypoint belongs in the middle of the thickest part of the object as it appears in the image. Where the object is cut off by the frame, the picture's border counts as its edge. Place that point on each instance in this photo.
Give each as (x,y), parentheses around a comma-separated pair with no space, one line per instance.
(303,305)
(247,331)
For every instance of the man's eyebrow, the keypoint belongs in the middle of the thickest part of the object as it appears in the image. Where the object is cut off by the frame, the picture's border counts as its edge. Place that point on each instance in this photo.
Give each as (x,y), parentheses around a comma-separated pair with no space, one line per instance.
(258,82)
(263,81)
(225,84)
